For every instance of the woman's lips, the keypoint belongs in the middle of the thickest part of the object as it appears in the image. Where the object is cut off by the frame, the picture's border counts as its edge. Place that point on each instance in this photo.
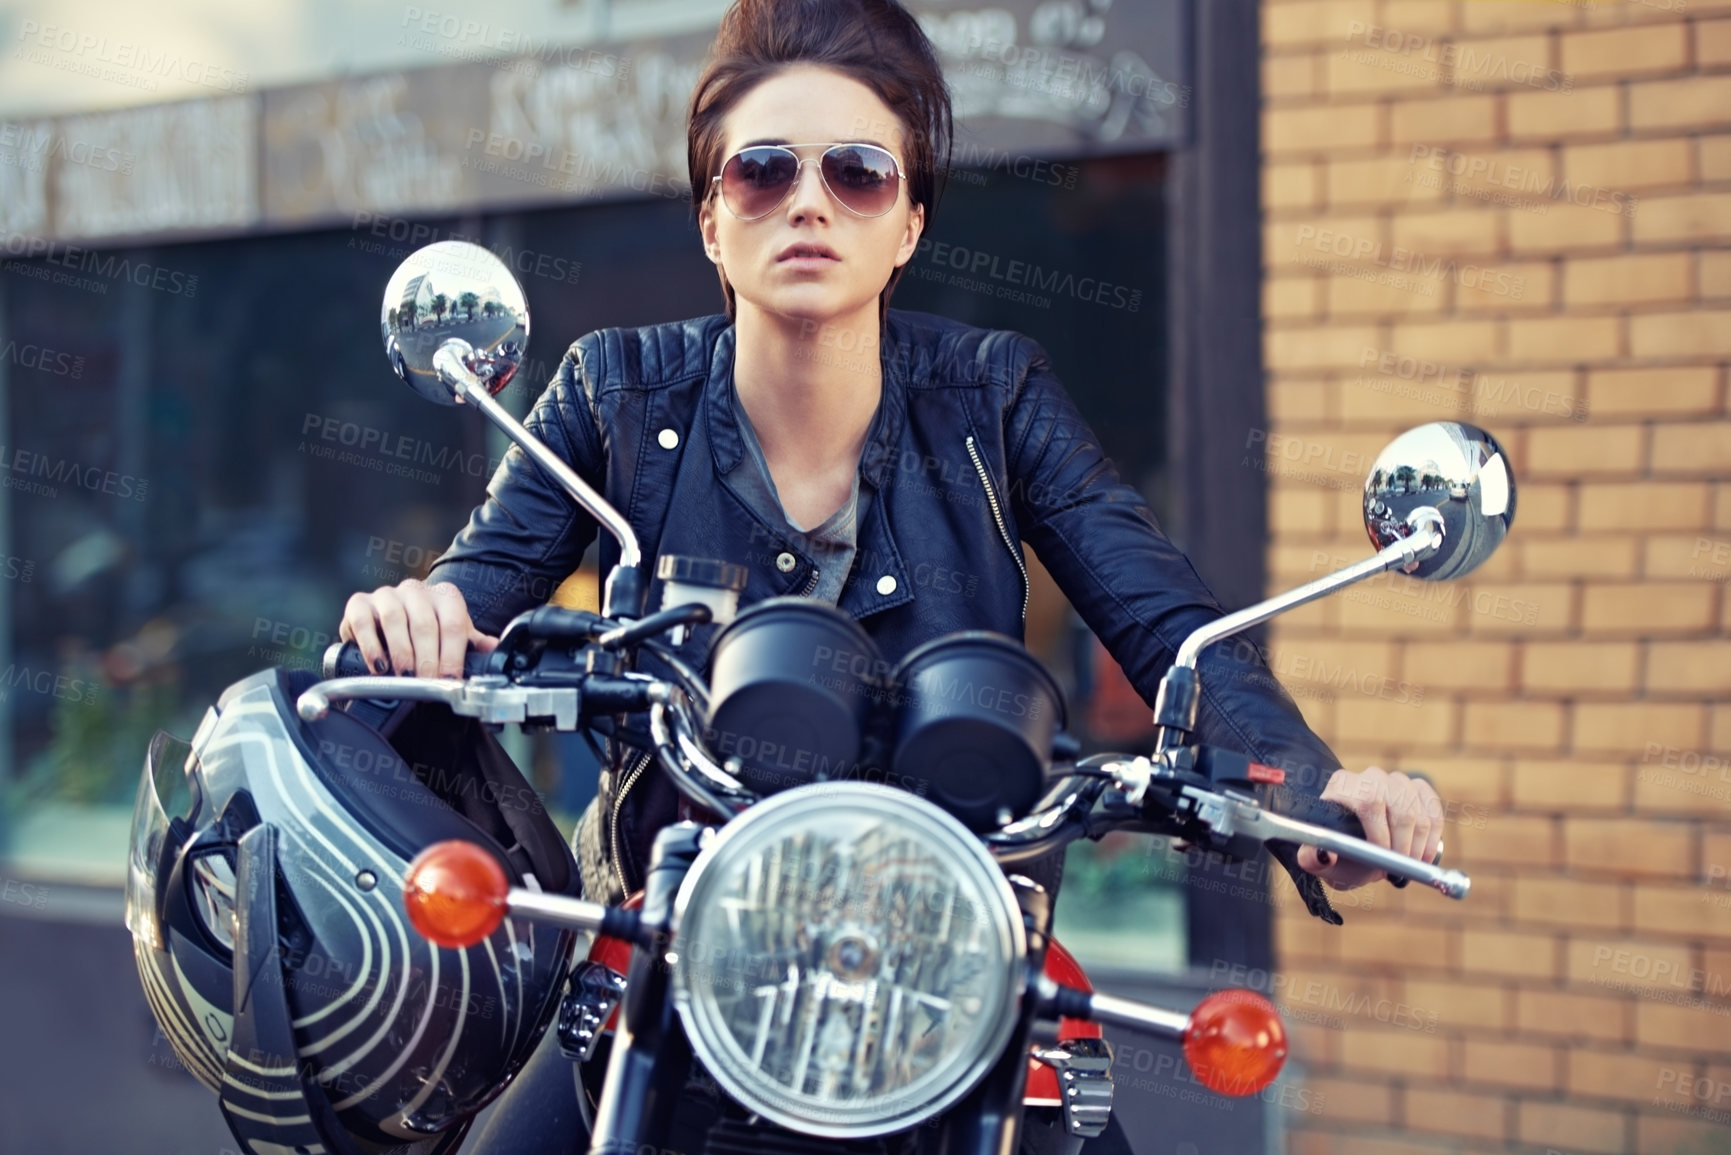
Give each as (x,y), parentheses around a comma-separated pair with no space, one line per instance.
(803,254)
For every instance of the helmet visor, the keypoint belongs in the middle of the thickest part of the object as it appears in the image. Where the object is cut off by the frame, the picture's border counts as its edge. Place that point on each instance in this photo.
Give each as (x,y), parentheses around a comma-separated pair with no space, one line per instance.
(162,789)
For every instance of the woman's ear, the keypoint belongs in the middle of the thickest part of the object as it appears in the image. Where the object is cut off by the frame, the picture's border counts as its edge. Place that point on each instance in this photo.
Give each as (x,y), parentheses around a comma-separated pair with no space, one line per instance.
(911,238)
(706,227)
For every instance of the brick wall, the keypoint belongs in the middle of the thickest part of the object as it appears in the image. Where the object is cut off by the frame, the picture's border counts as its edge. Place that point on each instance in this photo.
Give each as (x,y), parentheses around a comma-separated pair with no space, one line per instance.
(1516,213)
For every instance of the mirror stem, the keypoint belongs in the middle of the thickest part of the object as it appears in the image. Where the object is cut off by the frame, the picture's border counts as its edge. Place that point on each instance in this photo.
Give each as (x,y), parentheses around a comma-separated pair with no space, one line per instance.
(1180,690)
(624,589)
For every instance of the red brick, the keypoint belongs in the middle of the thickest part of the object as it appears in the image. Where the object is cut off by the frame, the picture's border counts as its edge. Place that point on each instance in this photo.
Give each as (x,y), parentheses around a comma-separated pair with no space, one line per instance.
(1560,667)
(1532,1066)
(1689,667)
(1455,1113)
(1406,946)
(1577,1016)
(1458,1005)
(1681,1026)
(1698,333)
(1691,103)
(1569,902)
(1587,111)
(1381,1051)
(1630,727)
(1515,954)
(1681,910)
(1624,847)
(1622,52)
(1610,1075)
(1645,506)
(1603,555)
(1651,608)
(1574,1128)
(1628,965)
(1570,784)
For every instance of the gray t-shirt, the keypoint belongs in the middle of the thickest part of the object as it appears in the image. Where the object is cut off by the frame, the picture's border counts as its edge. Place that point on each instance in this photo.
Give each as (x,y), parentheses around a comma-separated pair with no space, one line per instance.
(831,546)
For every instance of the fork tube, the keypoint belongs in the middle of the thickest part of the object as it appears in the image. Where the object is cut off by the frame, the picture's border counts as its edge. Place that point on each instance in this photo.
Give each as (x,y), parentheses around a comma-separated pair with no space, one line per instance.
(651,1055)
(988,1120)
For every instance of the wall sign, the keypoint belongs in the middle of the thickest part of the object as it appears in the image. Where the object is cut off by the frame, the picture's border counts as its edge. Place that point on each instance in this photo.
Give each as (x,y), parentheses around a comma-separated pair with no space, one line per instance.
(556,124)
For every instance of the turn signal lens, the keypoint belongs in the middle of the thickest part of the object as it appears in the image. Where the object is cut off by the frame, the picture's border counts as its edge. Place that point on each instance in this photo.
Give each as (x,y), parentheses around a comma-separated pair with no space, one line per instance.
(455,893)
(1235,1043)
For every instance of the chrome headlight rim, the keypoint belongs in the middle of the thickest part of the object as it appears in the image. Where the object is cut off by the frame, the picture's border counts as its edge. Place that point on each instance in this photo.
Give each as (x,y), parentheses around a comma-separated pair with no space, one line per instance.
(709,1038)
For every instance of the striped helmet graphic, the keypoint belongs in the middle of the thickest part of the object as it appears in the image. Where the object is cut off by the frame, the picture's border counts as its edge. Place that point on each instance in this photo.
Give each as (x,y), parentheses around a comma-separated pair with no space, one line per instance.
(268,924)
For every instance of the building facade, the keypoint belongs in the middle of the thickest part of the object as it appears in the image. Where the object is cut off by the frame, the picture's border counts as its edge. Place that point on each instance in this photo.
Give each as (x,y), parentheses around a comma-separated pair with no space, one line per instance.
(1516,215)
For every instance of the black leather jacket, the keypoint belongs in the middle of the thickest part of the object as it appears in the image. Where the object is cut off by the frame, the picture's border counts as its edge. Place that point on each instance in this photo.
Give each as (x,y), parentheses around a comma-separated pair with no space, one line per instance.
(975,450)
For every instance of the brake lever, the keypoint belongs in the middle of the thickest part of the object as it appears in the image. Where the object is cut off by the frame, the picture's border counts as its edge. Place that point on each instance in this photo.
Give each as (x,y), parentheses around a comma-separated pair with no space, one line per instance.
(1229,816)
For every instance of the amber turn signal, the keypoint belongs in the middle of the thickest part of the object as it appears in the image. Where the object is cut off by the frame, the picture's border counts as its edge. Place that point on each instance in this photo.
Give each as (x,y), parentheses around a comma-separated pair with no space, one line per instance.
(455,893)
(1235,1043)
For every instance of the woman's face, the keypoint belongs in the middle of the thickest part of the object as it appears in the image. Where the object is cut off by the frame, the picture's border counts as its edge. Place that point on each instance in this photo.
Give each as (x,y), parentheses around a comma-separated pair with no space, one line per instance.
(799,105)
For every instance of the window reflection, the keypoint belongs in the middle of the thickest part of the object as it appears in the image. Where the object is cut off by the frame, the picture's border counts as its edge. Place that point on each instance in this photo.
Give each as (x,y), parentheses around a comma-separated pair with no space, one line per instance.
(203,463)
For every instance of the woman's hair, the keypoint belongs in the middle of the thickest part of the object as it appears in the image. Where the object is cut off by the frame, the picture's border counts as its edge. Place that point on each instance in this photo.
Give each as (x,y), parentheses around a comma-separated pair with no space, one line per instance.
(876,42)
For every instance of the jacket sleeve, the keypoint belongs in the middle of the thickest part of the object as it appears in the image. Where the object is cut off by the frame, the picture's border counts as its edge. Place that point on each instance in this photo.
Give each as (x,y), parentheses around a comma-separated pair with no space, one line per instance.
(1140,595)
(529,535)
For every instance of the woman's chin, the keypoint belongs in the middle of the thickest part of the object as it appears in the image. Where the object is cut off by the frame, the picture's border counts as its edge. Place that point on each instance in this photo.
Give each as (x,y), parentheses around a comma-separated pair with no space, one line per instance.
(814,303)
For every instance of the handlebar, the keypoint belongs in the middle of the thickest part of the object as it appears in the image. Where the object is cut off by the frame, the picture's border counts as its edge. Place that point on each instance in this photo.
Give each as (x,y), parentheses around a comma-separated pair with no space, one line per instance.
(1162,794)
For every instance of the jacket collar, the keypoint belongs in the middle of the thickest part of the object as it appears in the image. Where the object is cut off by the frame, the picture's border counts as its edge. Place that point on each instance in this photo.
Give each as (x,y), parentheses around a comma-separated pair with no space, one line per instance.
(725,440)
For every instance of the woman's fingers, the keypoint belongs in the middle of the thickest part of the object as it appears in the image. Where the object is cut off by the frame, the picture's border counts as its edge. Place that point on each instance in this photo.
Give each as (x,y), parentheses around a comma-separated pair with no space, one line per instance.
(360,626)
(1407,824)
(1366,795)
(1399,813)
(413,628)
(423,626)
(453,626)
(393,618)
(1433,809)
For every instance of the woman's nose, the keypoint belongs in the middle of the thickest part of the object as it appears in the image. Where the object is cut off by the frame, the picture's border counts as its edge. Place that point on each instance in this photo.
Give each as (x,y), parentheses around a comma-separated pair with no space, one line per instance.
(809,197)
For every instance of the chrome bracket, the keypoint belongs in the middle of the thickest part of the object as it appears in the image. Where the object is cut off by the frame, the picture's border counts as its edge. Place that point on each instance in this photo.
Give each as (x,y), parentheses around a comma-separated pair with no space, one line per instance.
(591,996)
(1084,1068)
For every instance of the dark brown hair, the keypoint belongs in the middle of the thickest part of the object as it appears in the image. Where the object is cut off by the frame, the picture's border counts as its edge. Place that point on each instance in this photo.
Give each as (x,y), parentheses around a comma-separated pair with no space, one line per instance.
(876,42)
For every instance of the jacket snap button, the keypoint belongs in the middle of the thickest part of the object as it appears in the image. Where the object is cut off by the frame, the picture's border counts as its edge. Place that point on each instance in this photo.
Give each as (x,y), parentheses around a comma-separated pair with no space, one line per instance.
(887,585)
(785,562)
(668,438)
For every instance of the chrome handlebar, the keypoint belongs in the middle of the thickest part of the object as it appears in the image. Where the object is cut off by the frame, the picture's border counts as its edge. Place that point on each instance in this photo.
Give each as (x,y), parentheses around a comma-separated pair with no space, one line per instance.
(1114,788)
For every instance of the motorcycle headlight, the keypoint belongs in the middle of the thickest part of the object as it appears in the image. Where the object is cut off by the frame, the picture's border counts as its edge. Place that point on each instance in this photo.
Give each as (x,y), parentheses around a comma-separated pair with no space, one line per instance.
(845,959)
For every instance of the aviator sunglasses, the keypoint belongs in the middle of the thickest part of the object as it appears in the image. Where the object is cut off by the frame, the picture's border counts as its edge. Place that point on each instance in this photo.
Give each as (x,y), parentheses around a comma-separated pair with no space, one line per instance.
(863,178)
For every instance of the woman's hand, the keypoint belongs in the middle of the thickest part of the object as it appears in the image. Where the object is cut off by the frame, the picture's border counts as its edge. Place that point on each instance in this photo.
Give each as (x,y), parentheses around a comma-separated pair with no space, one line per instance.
(413,627)
(1401,813)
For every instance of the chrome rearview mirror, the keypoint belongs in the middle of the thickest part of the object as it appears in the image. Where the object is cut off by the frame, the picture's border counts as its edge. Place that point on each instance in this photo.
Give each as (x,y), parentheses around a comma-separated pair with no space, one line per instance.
(1439,500)
(1456,469)
(456,326)
(460,299)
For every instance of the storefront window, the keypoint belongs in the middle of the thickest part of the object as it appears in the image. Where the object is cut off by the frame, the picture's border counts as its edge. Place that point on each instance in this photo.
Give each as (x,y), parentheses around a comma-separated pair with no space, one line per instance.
(206,452)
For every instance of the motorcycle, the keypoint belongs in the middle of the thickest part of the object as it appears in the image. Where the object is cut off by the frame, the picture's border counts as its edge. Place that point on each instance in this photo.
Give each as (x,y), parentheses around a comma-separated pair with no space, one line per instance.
(838,941)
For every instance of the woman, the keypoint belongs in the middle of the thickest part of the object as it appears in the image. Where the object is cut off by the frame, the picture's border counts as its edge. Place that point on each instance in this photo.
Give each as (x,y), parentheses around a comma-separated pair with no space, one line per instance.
(838,450)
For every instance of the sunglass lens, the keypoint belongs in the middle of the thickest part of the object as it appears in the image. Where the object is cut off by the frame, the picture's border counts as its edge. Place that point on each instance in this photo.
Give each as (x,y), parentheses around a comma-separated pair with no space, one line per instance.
(755,180)
(862,177)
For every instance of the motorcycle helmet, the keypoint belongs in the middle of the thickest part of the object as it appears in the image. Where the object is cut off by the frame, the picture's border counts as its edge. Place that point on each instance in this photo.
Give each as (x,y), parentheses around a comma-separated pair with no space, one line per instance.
(268,925)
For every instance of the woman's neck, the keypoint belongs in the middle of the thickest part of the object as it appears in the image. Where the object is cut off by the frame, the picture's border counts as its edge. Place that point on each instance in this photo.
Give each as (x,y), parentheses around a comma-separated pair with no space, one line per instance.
(809,387)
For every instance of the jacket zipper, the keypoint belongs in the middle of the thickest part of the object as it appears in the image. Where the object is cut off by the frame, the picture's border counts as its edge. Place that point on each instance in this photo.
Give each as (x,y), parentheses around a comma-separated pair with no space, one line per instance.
(618,848)
(812,584)
(998,516)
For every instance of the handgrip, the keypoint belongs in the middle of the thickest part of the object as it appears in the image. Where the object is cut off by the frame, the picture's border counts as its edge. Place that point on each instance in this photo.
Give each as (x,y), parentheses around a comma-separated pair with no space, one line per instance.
(344,660)
(1328,814)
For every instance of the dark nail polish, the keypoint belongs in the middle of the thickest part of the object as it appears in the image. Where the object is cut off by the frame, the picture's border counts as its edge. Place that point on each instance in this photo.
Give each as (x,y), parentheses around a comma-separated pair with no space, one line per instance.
(1326,857)
(380,666)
